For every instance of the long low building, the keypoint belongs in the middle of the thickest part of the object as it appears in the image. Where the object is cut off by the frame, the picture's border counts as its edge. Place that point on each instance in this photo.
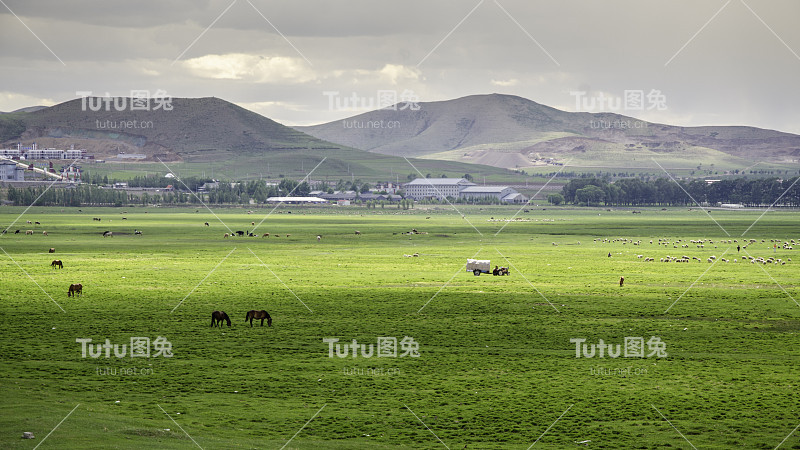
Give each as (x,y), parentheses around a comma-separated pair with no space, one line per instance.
(296,200)
(440,188)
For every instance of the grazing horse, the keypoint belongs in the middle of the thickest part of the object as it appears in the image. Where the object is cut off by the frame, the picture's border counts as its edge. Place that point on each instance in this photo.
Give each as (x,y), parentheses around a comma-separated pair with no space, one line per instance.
(253,314)
(29,232)
(217,317)
(75,289)
(358,233)
(108,234)
(57,263)
(207,224)
(52,250)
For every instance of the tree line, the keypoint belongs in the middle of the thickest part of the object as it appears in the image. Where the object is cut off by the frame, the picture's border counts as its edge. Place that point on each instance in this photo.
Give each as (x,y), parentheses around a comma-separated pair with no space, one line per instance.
(665,192)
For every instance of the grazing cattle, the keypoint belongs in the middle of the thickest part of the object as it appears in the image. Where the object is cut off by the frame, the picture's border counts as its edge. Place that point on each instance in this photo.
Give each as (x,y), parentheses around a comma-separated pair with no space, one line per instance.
(57,263)
(217,317)
(28,221)
(137,232)
(37,223)
(277,235)
(288,235)
(318,238)
(16,232)
(226,235)
(27,232)
(253,314)
(75,289)
(96,218)
(358,233)
(124,218)
(240,233)
(44,233)
(52,250)
(252,223)
(265,235)
(621,280)
(108,234)
(207,224)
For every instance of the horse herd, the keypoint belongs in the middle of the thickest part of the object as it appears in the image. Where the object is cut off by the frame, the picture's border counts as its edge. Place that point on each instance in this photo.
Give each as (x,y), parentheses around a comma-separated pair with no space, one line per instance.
(218,316)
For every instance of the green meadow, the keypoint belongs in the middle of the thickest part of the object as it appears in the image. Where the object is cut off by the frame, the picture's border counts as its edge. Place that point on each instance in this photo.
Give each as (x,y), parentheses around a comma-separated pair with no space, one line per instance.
(495,366)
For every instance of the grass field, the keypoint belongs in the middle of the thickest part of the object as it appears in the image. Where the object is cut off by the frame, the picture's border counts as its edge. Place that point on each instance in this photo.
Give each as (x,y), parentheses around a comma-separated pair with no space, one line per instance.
(496,365)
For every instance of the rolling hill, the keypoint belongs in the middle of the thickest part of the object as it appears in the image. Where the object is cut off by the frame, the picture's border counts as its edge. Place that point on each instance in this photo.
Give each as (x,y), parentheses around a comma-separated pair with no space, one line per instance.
(202,134)
(514,132)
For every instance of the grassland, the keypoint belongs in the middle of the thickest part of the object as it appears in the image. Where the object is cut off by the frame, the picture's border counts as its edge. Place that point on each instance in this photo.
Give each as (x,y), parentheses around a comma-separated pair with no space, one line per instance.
(496,366)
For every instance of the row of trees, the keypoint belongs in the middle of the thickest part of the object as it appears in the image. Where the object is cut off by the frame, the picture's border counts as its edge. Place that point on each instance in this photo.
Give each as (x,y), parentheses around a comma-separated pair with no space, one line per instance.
(665,192)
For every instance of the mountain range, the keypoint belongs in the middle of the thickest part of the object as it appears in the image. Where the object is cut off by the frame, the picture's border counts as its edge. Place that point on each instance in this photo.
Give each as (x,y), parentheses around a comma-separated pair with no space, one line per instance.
(514,132)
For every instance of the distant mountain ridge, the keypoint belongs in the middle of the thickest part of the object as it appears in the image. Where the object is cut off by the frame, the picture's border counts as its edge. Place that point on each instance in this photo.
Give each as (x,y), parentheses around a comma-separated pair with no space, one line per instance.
(511,131)
(190,125)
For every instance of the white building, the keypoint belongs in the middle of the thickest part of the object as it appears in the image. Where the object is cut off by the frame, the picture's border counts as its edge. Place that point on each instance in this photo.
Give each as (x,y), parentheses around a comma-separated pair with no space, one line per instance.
(502,193)
(436,187)
(10,171)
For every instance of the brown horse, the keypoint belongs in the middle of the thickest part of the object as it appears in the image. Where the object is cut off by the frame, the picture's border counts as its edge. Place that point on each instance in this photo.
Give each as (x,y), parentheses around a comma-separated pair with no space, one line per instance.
(75,289)
(253,314)
(217,317)
(57,263)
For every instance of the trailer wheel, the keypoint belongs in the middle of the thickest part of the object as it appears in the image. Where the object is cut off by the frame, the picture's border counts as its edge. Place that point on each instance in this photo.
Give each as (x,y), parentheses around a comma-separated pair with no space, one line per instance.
(477,272)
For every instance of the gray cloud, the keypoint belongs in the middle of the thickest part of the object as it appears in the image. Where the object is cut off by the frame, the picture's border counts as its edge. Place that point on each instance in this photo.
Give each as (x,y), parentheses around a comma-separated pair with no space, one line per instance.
(736,71)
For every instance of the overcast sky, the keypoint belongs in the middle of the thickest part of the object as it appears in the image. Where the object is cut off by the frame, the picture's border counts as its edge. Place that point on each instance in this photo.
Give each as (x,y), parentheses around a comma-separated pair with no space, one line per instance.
(716,62)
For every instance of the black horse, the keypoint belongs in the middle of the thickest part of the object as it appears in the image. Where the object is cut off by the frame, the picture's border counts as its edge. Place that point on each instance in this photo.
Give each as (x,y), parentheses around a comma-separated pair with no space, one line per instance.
(217,317)
(253,314)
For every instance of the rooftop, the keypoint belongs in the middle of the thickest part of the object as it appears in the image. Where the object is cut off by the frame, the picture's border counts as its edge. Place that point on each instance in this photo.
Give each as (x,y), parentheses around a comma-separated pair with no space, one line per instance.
(440,181)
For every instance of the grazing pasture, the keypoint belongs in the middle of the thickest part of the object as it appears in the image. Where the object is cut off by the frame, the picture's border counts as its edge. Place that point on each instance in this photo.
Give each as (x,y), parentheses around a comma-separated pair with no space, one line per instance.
(496,365)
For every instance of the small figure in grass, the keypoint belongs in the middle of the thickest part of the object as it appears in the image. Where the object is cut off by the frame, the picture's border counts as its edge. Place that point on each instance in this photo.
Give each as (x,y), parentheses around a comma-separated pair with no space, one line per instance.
(621,281)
